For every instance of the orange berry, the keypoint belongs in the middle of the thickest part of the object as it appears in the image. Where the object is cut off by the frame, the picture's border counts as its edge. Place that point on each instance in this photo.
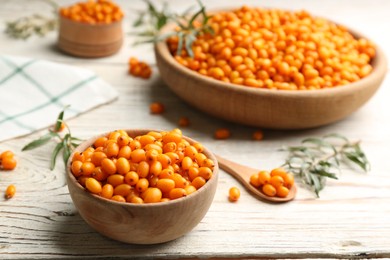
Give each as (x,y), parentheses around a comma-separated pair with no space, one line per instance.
(269,190)
(234,194)
(282,191)
(8,163)
(264,177)
(6,154)
(254,180)
(222,133)
(276,181)
(107,191)
(184,121)
(152,195)
(279,172)
(258,135)
(289,180)
(156,108)
(93,185)
(10,191)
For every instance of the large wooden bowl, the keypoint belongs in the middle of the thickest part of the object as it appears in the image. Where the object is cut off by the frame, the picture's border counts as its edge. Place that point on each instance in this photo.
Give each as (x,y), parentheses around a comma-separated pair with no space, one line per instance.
(89,40)
(277,109)
(142,223)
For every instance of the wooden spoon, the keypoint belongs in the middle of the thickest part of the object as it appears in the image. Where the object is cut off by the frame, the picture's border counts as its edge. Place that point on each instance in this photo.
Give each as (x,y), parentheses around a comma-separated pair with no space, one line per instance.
(243,173)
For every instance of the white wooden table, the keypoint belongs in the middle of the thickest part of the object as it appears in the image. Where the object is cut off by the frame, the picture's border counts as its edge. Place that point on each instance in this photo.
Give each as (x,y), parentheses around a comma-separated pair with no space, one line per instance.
(351,219)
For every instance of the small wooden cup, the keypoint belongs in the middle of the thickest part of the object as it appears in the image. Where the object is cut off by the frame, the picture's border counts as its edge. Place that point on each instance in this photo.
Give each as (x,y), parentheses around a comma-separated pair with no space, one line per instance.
(89,40)
(142,223)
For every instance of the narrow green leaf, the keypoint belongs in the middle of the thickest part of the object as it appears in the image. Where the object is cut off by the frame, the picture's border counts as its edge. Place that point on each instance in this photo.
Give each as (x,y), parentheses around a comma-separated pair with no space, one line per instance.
(67,150)
(140,20)
(334,135)
(316,184)
(39,142)
(180,44)
(56,150)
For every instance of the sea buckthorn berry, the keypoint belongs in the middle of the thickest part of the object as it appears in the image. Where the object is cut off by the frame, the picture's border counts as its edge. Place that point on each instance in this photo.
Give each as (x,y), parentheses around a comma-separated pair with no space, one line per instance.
(193,172)
(155,168)
(10,191)
(6,154)
(122,166)
(180,182)
(115,179)
(169,147)
(165,185)
(198,147)
(198,182)
(279,172)
(76,168)
(97,157)
(146,139)
(122,189)
(276,181)
(99,174)
(156,108)
(138,155)
(234,194)
(264,177)
(107,191)
(123,140)
(186,163)
(8,163)
(258,135)
(190,189)
(131,178)
(143,169)
(142,185)
(205,172)
(152,195)
(184,121)
(177,193)
(151,155)
(100,142)
(124,152)
(87,168)
(108,166)
(222,133)
(112,149)
(136,200)
(254,180)
(118,198)
(269,190)
(93,185)
(282,191)
(172,137)
(288,180)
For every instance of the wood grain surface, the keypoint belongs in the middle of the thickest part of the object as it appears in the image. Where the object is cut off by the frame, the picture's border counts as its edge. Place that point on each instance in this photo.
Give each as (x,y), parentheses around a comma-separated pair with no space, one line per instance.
(349,220)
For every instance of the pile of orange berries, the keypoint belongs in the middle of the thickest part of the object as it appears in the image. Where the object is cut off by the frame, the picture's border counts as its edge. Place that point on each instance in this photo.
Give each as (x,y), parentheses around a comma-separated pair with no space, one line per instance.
(278,182)
(8,162)
(276,49)
(93,12)
(139,69)
(155,167)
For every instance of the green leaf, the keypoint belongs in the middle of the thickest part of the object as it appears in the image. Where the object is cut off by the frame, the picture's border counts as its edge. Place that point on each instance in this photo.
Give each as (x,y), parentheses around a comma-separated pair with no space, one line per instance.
(140,20)
(188,41)
(39,142)
(67,150)
(60,119)
(338,136)
(316,183)
(56,150)
(180,44)
(358,160)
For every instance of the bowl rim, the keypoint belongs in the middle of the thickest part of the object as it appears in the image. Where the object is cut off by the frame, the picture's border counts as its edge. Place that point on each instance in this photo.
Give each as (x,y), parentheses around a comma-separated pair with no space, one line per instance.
(378,63)
(88,25)
(89,142)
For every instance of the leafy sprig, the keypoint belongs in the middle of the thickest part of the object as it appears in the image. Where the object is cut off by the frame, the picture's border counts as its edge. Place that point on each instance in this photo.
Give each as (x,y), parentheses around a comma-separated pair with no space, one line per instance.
(319,158)
(189,26)
(36,24)
(65,143)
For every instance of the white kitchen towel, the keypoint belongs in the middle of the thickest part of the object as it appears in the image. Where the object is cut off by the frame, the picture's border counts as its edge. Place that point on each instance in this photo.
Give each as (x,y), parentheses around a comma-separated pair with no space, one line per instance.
(33,92)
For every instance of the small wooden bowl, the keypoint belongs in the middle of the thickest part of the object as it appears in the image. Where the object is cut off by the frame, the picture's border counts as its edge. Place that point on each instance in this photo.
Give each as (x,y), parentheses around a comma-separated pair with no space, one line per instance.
(89,40)
(142,223)
(277,109)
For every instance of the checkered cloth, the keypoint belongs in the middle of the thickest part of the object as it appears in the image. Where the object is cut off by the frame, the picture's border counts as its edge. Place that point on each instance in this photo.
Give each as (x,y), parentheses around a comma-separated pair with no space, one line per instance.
(33,93)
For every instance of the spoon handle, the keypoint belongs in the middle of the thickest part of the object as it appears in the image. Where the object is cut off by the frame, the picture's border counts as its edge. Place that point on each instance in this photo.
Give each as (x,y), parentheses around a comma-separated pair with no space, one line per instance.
(241,172)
